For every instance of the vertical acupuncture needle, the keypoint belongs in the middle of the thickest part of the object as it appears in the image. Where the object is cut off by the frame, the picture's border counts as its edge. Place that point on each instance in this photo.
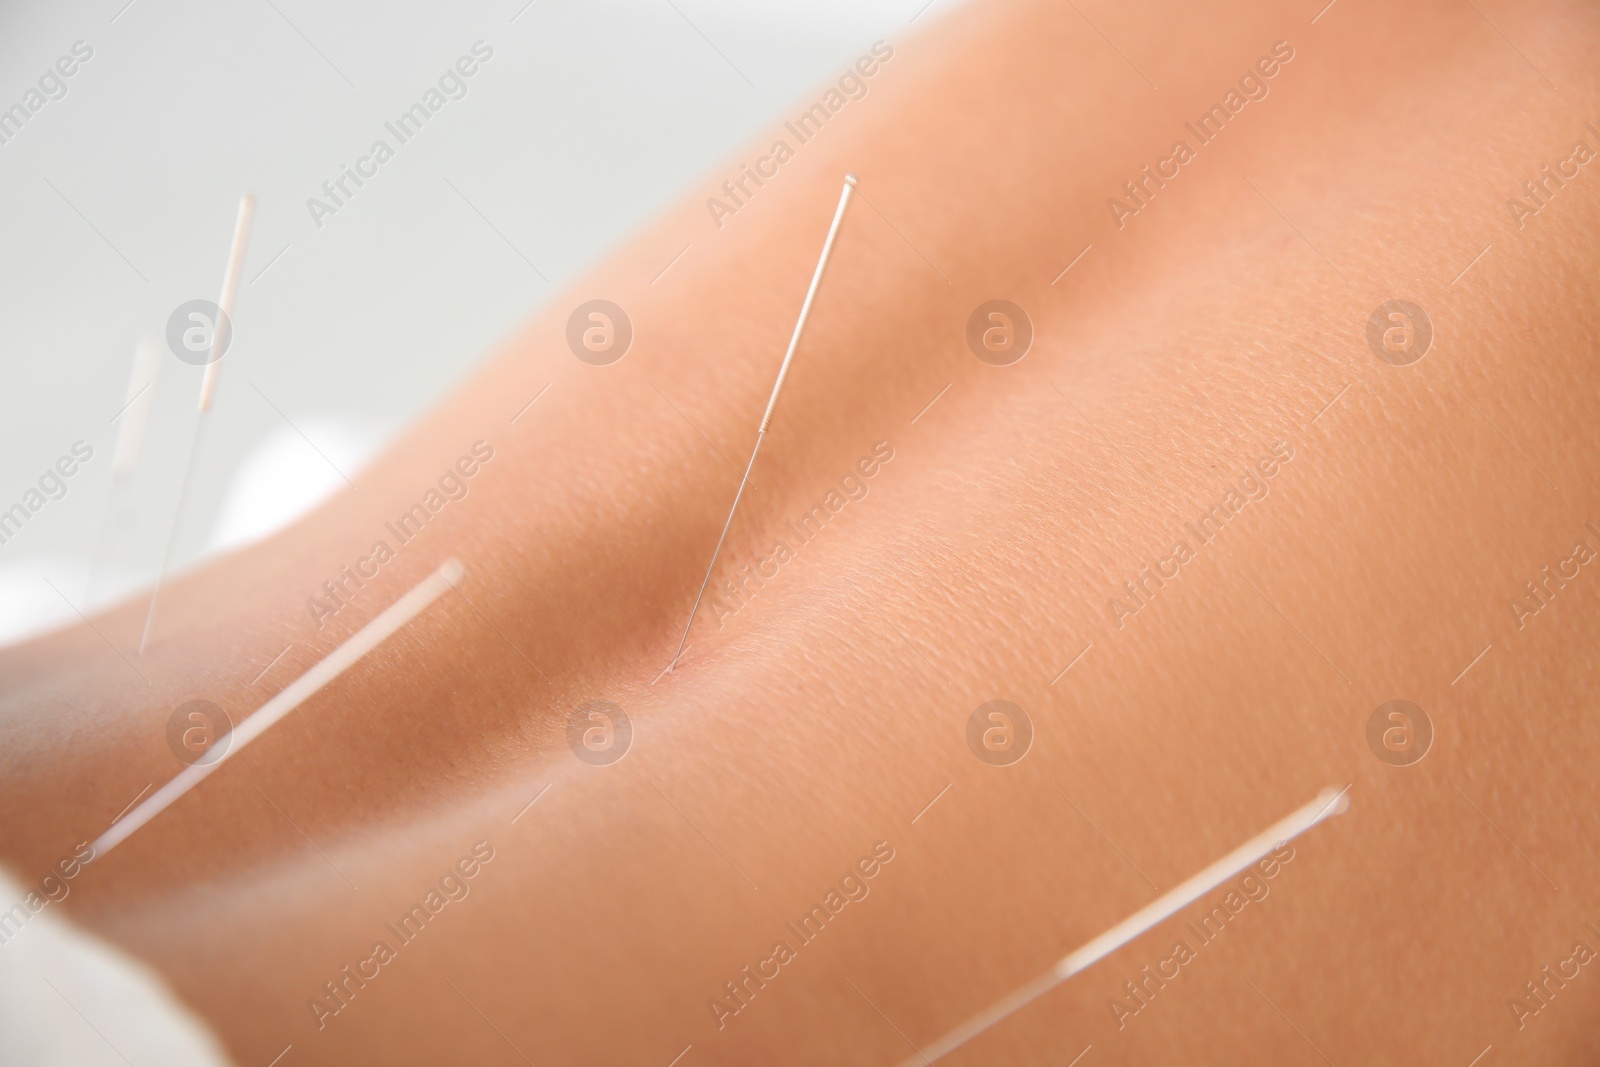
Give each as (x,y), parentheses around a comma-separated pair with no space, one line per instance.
(135,416)
(777,387)
(1328,803)
(220,336)
(230,289)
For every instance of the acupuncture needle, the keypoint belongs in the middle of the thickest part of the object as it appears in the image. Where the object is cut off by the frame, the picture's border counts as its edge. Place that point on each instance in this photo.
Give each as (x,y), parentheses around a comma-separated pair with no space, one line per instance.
(221,334)
(772,402)
(394,617)
(135,416)
(1328,803)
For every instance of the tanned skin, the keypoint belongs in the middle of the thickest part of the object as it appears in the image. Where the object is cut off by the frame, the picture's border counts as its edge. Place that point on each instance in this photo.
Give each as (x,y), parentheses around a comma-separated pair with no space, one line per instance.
(1227,315)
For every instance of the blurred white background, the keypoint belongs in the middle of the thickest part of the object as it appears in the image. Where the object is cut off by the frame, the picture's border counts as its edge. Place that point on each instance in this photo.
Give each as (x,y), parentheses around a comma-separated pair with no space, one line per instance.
(120,200)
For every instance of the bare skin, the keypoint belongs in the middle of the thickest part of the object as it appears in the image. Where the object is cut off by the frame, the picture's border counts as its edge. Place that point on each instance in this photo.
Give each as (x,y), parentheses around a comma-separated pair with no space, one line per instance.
(1225,317)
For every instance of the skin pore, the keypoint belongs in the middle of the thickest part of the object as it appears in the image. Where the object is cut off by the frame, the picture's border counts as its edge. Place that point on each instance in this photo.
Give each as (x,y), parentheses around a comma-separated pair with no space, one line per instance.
(1219,329)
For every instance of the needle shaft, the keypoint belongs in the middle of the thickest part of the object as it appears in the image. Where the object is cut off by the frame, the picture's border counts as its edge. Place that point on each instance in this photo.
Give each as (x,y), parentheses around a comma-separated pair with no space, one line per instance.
(772,403)
(1328,803)
(221,335)
(230,289)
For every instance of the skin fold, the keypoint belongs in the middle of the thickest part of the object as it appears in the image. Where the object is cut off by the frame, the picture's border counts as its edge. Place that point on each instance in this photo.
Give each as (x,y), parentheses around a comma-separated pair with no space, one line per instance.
(1218,328)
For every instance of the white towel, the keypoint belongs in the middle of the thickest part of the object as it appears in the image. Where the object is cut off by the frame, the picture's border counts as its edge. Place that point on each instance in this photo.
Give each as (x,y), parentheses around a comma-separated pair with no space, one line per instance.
(68,998)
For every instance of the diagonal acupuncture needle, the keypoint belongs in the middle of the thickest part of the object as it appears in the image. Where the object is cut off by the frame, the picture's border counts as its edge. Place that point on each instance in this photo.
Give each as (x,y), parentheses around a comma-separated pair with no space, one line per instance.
(1328,803)
(290,697)
(777,387)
